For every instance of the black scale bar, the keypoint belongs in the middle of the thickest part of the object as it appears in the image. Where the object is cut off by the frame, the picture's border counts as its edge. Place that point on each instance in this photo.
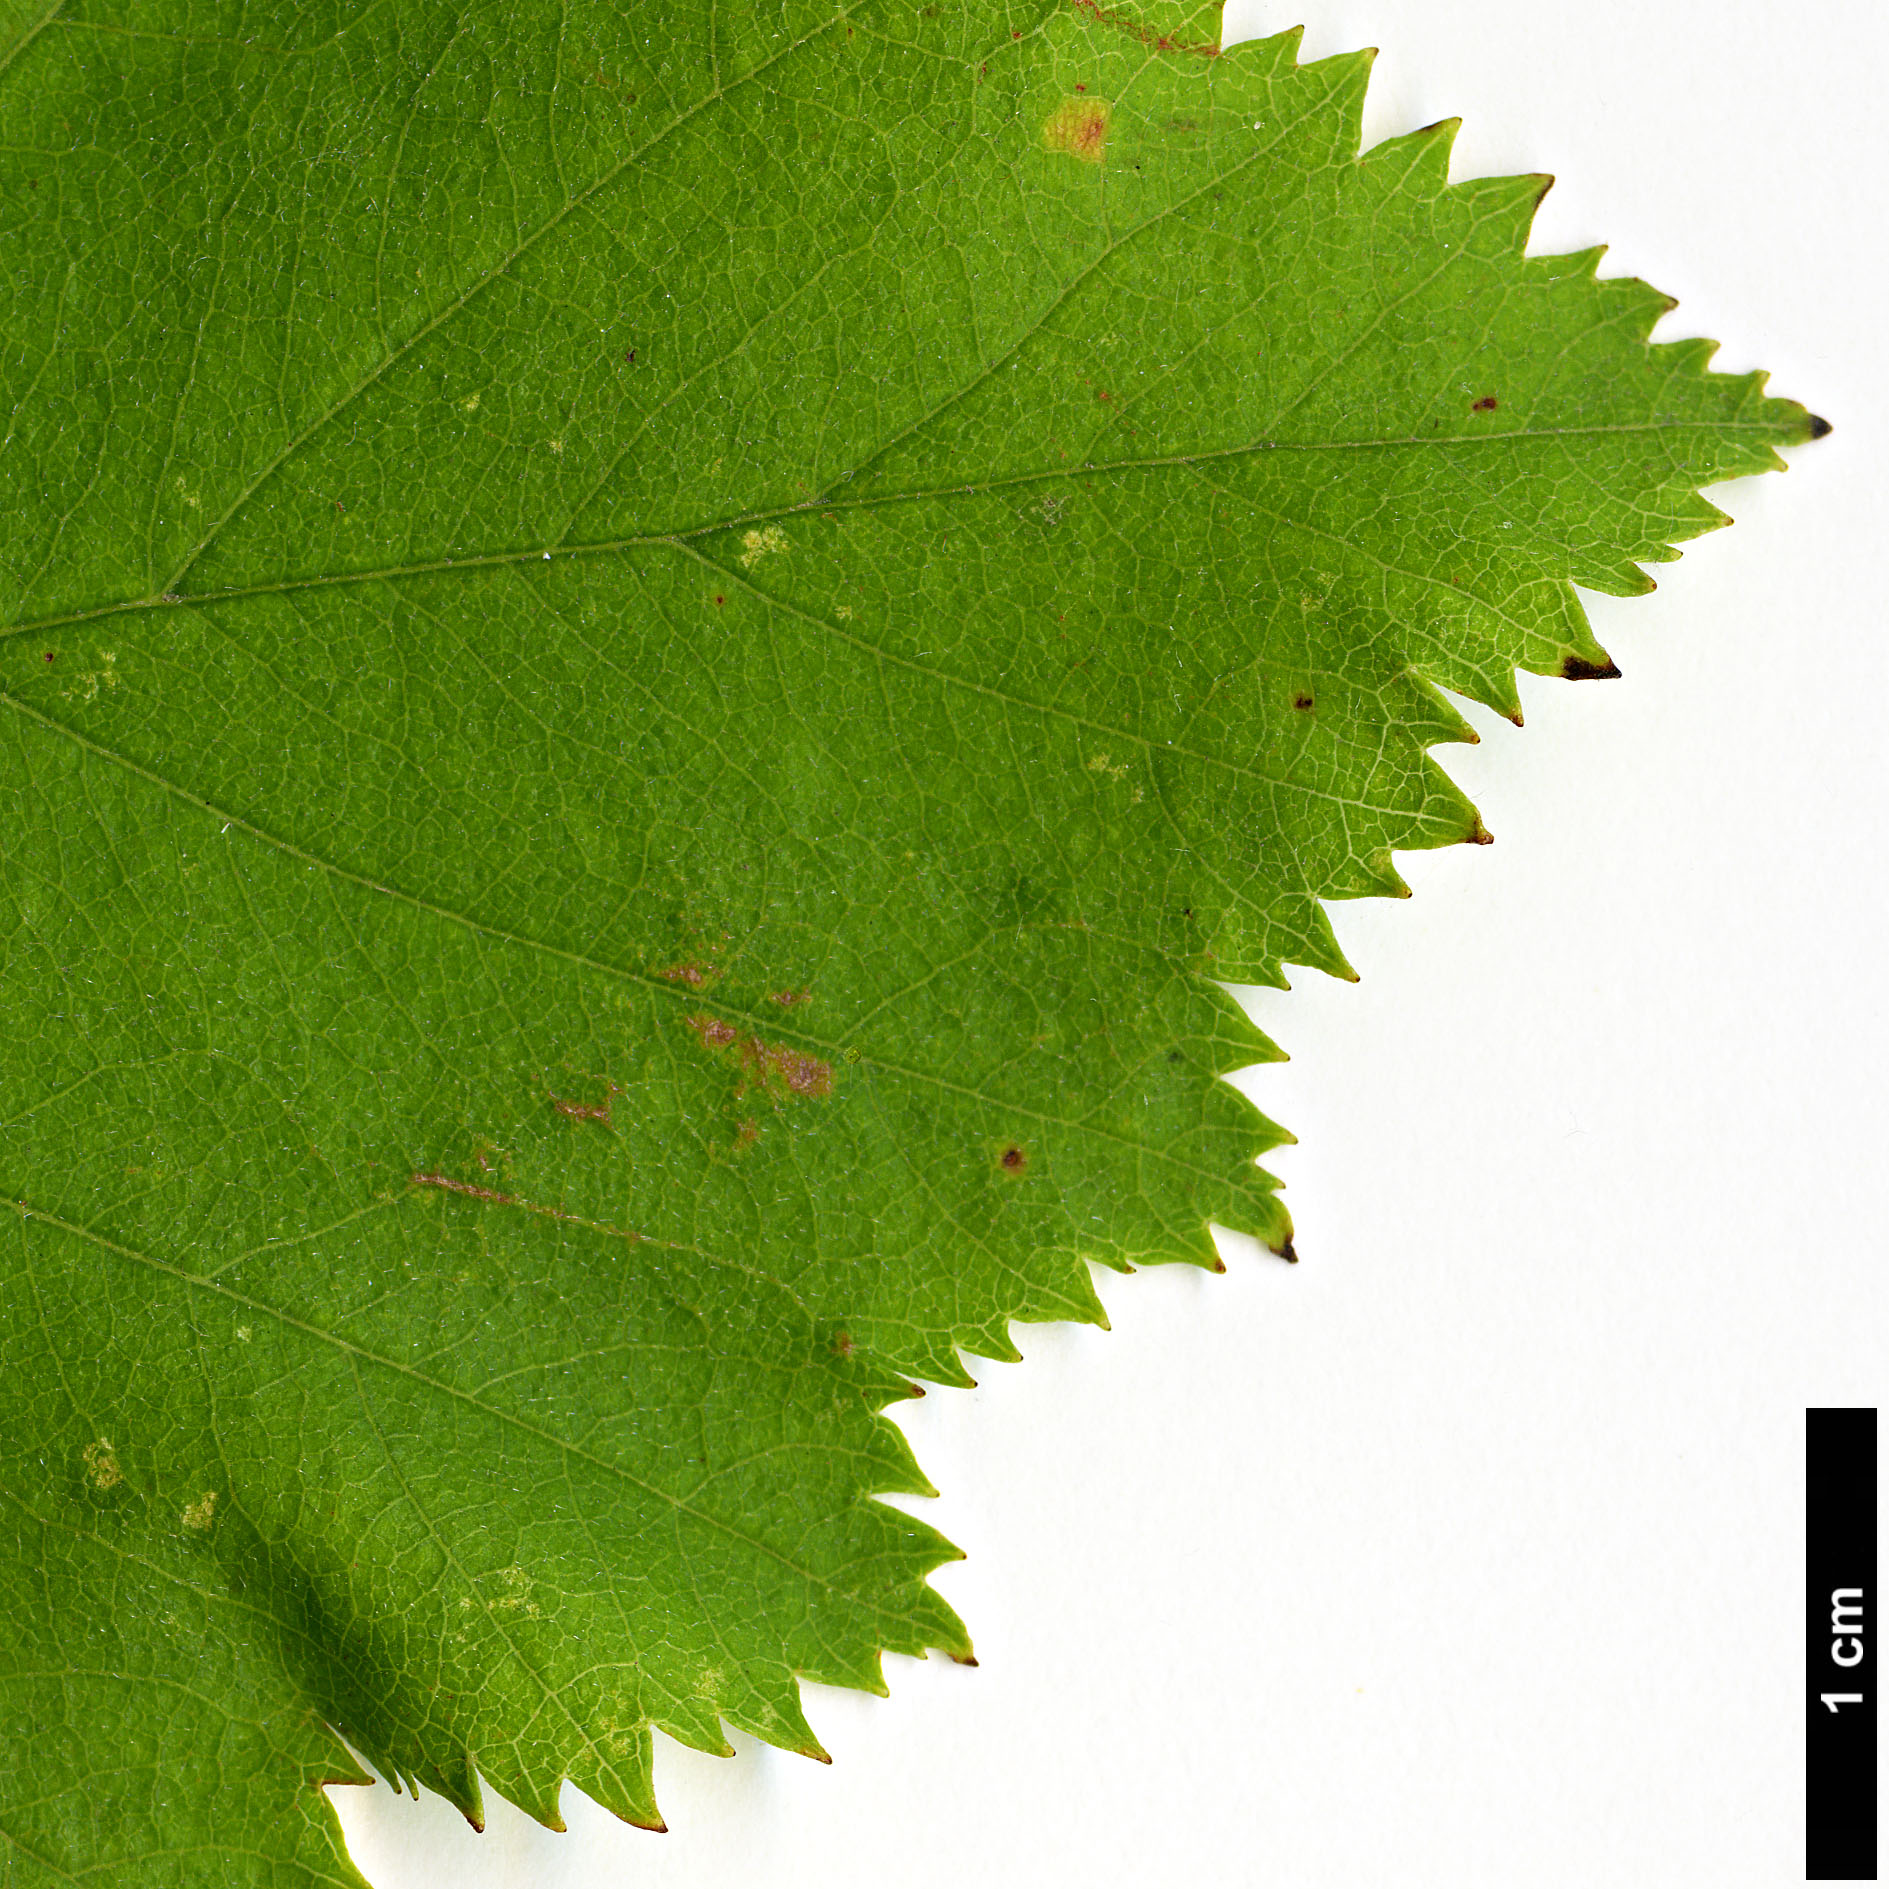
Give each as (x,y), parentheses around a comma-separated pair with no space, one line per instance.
(1840,1646)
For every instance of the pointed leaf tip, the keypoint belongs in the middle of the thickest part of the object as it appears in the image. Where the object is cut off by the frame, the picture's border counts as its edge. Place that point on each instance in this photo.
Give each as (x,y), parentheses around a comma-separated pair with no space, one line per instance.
(1579,669)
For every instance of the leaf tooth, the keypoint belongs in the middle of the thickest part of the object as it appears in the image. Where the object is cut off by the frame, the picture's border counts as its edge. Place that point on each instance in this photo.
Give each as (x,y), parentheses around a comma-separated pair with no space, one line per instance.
(895,1469)
(1490,683)
(926,1355)
(1300,933)
(1282,46)
(1502,210)
(1598,668)
(618,1772)
(1379,877)
(1420,158)
(781,1721)
(1452,728)
(941,1630)
(1690,355)
(993,1341)
(535,1790)
(1068,1300)
(1255,1209)
(694,1722)
(1347,77)
(1572,265)
(1626,579)
(461,1789)
(1636,306)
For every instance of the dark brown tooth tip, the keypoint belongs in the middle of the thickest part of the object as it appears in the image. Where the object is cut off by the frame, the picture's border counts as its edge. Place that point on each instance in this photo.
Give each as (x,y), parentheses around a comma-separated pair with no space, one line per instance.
(1819,426)
(1579,669)
(1289,1253)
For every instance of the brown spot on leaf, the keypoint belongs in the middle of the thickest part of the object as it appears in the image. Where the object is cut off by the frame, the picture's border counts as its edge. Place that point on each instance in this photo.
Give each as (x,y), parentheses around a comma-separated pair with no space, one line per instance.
(1078,127)
(694,975)
(1485,405)
(1013,1160)
(803,1074)
(715,1034)
(1301,700)
(584,1111)
(843,1343)
(788,998)
(1579,669)
(1135,30)
(774,1068)
(491,1195)
(1479,835)
(452,1186)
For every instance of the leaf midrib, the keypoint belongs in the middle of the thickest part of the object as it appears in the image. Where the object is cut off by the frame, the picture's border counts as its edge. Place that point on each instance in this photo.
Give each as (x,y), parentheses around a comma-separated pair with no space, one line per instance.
(685,534)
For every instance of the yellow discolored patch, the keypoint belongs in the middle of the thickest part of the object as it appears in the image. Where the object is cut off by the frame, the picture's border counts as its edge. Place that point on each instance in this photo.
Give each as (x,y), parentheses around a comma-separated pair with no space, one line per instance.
(85,688)
(517,1595)
(1078,127)
(755,545)
(201,1513)
(101,1466)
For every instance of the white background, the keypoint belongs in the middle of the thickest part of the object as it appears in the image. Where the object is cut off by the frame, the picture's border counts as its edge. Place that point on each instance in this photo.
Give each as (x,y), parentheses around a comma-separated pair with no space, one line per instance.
(1468,1552)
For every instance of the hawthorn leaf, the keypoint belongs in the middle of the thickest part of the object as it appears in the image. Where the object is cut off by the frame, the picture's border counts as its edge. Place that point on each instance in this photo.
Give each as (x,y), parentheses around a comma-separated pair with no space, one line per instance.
(656,662)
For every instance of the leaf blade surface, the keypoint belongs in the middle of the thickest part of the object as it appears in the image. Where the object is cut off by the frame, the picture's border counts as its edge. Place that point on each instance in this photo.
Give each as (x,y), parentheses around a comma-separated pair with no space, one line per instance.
(654,661)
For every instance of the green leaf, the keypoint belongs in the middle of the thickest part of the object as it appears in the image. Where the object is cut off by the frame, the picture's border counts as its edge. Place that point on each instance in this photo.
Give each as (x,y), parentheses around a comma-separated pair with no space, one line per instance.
(657,660)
